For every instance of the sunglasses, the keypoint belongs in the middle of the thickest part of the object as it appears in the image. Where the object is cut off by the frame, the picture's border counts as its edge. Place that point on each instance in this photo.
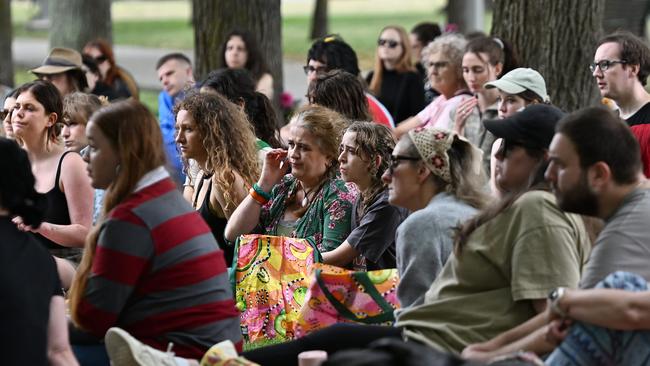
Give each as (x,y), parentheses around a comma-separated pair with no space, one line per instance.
(395,160)
(310,68)
(387,43)
(605,64)
(4,113)
(100,59)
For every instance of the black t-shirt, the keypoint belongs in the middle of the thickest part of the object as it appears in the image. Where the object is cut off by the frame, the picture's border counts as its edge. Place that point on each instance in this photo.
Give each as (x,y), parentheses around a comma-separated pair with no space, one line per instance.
(28,280)
(373,234)
(641,117)
(402,93)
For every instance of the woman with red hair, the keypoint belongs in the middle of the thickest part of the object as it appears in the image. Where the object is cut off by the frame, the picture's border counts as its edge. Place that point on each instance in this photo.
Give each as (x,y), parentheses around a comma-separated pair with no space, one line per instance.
(112,75)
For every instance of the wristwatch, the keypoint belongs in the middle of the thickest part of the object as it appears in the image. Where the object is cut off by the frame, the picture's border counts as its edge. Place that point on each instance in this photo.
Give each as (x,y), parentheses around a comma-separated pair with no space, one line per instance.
(554,299)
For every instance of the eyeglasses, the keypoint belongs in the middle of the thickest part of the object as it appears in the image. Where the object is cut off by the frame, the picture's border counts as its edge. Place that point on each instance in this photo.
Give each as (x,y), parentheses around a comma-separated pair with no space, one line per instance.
(4,113)
(387,43)
(100,59)
(605,64)
(396,159)
(310,68)
(437,65)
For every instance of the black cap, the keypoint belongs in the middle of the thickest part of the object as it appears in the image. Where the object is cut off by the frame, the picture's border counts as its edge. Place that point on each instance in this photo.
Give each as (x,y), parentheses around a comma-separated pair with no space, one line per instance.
(533,127)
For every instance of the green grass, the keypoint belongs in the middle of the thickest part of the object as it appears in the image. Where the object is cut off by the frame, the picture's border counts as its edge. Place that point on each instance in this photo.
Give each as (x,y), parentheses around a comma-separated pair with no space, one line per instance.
(165,23)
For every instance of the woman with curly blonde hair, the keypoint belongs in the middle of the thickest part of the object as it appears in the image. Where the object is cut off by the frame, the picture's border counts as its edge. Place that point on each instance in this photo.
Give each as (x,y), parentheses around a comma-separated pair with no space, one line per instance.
(216,134)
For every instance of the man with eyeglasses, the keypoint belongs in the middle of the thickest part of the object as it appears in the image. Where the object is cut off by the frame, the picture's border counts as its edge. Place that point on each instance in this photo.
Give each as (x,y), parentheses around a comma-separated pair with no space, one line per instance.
(621,67)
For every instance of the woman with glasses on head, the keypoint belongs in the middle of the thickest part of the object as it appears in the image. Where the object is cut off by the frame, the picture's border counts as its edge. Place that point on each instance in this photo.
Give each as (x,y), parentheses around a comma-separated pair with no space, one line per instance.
(60,175)
(394,79)
(112,75)
(309,203)
(241,51)
(364,155)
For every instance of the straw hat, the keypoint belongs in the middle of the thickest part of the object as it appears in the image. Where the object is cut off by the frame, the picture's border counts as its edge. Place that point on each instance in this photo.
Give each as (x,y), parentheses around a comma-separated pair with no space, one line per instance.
(59,60)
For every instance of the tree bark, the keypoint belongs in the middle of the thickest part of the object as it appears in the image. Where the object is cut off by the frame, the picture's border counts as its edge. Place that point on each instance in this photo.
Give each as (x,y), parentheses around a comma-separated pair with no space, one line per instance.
(214,19)
(556,38)
(467,15)
(6,61)
(319,27)
(76,22)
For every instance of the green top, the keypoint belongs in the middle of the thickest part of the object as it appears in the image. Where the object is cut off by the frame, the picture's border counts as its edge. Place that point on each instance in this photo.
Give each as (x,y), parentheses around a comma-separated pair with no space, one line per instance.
(521,254)
(326,223)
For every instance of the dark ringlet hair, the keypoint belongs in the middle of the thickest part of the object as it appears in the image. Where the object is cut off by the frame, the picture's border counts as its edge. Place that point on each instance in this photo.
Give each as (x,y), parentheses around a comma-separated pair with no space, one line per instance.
(335,54)
(48,95)
(17,192)
(238,86)
(598,135)
(340,91)
(254,61)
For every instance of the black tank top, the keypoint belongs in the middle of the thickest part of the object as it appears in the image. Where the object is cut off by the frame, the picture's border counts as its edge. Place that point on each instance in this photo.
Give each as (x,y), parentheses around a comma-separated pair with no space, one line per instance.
(57,208)
(217,224)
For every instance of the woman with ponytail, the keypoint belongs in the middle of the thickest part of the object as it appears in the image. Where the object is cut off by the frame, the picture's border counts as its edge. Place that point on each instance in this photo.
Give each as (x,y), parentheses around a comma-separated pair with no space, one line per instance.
(151,265)
(33,316)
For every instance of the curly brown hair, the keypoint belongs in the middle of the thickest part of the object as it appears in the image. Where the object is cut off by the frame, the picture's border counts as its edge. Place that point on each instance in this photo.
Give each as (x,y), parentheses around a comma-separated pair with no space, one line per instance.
(228,139)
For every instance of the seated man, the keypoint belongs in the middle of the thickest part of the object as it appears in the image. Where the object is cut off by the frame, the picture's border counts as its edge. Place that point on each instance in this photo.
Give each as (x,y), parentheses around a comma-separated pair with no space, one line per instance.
(595,170)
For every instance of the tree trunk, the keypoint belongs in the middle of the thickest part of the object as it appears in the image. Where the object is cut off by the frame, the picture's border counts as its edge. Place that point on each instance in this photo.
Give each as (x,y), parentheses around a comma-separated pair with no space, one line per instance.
(631,17)
(76,22)
(319,20)
(6,61)
(556,38)
(216,18)
(466,15)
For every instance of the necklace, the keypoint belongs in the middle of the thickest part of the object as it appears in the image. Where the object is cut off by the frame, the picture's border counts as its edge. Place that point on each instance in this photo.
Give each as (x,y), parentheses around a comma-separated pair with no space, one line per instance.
(305,201)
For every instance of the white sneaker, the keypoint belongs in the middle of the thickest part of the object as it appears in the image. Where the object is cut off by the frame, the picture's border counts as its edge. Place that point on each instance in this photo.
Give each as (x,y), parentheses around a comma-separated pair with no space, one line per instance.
(124,350)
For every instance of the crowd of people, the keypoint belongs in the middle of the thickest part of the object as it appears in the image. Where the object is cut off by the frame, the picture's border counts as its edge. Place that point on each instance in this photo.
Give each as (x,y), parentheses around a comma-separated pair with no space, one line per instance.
(519,231)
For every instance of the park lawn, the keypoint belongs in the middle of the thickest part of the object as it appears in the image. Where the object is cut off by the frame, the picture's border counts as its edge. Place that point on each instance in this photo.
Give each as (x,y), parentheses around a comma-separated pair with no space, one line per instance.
(170,27)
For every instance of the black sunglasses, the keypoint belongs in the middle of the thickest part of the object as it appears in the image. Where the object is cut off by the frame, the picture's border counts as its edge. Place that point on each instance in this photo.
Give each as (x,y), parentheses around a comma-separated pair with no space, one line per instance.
(387,42)
(100,59)
(4,113)
(396,159)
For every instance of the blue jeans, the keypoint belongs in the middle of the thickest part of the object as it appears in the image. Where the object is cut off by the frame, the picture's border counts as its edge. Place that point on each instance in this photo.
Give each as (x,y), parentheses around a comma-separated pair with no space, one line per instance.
(91,355)
(587,344)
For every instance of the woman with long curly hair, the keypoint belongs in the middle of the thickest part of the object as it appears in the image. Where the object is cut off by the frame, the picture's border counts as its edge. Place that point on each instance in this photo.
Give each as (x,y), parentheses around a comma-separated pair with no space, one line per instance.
(150,266)
(364,155)
(394,79)
(216,134)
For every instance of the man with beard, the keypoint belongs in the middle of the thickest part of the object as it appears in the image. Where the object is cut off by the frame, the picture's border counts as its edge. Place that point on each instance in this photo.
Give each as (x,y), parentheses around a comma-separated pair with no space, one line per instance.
(595,169)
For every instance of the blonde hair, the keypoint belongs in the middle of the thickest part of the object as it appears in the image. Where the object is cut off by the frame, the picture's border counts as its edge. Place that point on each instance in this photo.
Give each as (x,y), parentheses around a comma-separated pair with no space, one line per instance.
(451,45)
(228,139)
(404,63)
(80,104)
(135,135)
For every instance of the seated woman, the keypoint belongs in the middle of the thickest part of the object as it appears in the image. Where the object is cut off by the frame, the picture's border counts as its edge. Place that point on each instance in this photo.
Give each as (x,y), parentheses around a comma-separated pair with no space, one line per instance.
(443,58)
(60,175)
(112,75)
(364,155)
(62,67)
(394,79)
(241,51)
(7,111)
(217,136)
(310,203)
(32,313)
(340,91)
(151,266)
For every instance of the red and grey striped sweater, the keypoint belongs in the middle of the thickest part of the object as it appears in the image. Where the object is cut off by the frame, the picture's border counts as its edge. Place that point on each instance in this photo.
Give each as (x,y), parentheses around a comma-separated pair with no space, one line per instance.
(159,274)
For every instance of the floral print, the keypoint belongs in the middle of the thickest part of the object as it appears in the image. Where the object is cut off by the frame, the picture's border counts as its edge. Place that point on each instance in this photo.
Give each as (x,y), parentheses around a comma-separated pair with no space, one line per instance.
(327,221)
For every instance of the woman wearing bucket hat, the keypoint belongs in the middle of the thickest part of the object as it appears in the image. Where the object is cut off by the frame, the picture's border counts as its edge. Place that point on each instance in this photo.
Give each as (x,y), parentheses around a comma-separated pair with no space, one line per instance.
(63,68)
(517,89)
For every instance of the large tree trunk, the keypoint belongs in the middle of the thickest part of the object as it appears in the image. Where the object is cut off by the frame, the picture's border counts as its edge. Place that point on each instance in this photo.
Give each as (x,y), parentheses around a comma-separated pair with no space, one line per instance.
(6,61)
(76,22)
(467,15)
(319,20)
(556,38)
(216,18)
(630,16)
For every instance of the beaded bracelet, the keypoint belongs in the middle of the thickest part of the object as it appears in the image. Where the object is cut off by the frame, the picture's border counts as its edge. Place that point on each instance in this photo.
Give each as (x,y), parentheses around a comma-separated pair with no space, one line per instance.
(260,191)
(257,197)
